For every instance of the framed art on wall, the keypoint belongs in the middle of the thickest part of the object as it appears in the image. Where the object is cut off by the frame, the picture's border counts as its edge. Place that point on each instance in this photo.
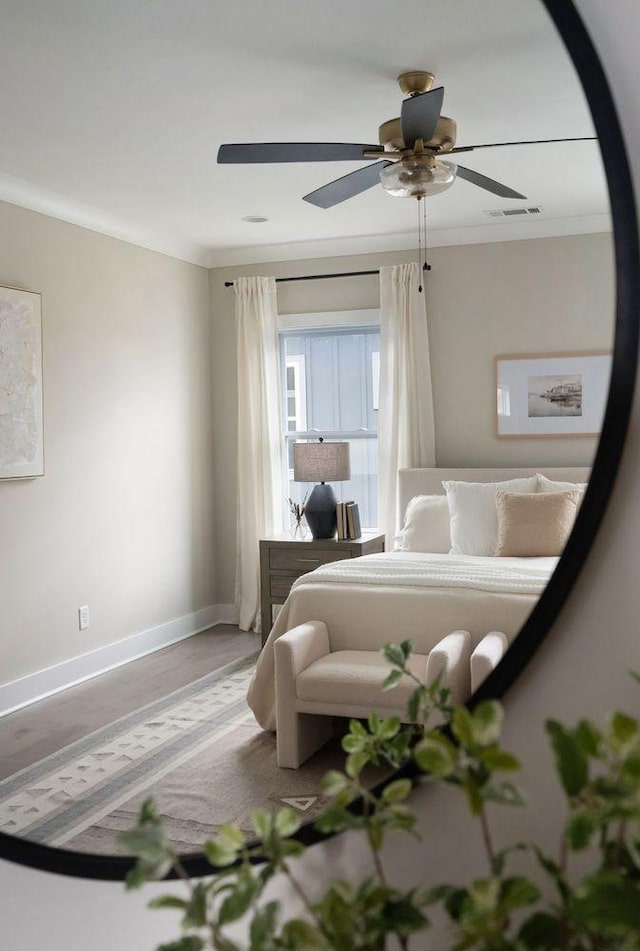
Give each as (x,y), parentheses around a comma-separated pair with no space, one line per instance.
(554,394)
(21,424)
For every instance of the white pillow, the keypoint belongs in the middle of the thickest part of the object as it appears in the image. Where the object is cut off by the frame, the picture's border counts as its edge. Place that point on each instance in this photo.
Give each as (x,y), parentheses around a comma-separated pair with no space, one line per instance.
(474,519)
(426,525)
(548,485)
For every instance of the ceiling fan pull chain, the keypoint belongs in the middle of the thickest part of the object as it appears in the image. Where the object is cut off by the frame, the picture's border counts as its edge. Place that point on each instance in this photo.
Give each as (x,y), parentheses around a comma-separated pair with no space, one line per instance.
(422,240)
(419,243)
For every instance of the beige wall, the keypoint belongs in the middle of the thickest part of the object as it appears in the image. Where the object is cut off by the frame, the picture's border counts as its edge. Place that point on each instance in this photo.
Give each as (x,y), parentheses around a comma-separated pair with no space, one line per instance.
(546,295)
(123,518)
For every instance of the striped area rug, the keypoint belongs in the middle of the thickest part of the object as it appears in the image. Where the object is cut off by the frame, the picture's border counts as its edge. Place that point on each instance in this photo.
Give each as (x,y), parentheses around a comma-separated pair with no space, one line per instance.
(197,751)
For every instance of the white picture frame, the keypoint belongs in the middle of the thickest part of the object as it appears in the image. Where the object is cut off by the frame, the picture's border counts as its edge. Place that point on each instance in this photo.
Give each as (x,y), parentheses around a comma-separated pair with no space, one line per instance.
(21,399)
(551,394)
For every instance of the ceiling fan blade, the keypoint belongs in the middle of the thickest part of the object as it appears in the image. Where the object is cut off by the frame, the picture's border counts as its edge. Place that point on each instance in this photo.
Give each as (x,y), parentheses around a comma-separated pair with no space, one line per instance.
(495,145)
(496,188)
(347,186)
(254,152)
(420,116)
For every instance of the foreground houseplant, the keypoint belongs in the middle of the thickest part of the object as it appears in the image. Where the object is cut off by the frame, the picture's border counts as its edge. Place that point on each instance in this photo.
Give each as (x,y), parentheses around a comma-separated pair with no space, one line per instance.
(599,769)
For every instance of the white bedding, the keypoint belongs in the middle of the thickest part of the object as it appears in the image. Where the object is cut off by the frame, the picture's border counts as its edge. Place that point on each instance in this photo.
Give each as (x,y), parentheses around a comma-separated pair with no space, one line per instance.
(376,599)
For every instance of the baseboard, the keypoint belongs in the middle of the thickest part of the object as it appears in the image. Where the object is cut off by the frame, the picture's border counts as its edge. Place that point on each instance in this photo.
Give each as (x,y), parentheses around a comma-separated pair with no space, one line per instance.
(50,680)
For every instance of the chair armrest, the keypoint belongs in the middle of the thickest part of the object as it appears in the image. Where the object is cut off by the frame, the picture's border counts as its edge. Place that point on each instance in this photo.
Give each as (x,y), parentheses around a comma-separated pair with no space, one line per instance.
(487,656)
(449,660)
(300,647)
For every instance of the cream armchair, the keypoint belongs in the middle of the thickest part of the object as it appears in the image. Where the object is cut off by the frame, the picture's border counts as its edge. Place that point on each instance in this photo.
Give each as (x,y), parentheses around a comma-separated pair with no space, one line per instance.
(487,656)
(314,685)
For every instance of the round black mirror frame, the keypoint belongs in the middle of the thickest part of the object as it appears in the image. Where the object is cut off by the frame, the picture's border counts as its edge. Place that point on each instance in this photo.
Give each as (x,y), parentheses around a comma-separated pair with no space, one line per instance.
(625,230)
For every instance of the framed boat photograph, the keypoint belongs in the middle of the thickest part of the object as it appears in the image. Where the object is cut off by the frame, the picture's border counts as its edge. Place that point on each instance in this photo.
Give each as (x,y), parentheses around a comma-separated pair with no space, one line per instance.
(553,394)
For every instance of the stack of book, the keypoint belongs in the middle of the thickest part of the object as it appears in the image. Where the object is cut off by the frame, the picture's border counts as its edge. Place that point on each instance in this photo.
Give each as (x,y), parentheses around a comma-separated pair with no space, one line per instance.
(348,519)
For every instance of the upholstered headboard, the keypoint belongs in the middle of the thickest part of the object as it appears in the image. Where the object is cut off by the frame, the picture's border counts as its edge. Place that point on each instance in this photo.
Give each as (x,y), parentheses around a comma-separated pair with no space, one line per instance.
(429,481)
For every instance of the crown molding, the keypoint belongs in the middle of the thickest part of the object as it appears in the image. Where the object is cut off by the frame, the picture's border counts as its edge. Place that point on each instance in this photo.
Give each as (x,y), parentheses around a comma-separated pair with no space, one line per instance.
(500,229)
(16,191)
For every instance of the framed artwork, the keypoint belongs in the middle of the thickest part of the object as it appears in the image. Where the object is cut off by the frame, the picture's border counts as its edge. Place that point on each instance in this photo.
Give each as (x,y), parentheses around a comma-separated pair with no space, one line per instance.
(553,394)
(21,424)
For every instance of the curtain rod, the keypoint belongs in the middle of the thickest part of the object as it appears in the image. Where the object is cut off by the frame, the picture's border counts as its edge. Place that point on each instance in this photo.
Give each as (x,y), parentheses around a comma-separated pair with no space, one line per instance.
(316,277)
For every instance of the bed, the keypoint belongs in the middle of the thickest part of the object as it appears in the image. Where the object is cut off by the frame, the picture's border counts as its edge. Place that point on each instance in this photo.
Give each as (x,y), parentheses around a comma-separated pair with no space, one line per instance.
(417,595)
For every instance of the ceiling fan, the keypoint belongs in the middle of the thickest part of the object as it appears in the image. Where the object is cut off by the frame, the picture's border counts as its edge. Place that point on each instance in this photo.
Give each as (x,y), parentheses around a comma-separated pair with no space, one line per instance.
(408,154)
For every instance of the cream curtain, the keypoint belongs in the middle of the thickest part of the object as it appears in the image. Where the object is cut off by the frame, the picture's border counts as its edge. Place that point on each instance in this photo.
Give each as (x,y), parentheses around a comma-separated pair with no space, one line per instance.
(406,435)
(259,437)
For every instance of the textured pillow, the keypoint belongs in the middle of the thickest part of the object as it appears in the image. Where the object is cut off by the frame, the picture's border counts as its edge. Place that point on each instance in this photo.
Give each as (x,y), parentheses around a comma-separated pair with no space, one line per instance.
(536,524)
(548,485)
(474,522)
(426,525)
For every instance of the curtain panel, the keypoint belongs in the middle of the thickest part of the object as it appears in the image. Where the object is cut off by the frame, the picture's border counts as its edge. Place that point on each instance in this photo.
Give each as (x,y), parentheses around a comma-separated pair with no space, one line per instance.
(259,438)
(406,431)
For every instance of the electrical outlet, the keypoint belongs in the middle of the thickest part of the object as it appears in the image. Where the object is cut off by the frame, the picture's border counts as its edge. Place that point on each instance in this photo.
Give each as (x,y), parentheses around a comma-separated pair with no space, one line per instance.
(83,617)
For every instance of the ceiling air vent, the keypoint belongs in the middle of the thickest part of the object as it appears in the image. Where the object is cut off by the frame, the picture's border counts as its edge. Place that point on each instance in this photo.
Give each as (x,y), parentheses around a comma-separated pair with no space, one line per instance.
(514,212)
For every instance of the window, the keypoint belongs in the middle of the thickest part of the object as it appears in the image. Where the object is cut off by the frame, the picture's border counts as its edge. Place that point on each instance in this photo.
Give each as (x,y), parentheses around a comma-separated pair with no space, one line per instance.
(330,389)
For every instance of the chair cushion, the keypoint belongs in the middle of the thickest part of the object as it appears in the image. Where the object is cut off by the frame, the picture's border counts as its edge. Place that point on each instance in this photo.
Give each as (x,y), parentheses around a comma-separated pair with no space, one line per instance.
(355,677)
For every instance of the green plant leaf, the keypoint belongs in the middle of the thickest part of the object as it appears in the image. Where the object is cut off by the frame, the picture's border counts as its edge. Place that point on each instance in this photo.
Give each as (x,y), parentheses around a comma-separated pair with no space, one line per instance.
(588,737)
(392,679)
(217,855)
(631,768)
(287,822)
(571,762)
(505,793)
(389,728)
(237,903)
(195,914)
(462,726)
(262,823)
(396,791)
(303,936)
(168,901)
(486,722)
(624,732)
(580,829)
(474,796)
(435,755)
(188,943)
(610,902)
(413,705)
(334,782)
(263,925)
(517,892)
(230,836)
(485,894)
(356,763)
(541,932)
(498,760)
(395,654)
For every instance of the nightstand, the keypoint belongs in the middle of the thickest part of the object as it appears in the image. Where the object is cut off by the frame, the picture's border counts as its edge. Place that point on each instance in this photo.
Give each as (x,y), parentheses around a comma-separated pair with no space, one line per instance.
(283,559)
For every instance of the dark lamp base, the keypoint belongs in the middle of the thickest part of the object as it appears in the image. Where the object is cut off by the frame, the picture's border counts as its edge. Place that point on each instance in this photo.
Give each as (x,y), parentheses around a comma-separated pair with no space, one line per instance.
(320,511)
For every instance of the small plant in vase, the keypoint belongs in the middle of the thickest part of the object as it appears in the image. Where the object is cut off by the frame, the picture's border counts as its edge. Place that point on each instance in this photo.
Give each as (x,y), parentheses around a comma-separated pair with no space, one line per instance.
(298,528)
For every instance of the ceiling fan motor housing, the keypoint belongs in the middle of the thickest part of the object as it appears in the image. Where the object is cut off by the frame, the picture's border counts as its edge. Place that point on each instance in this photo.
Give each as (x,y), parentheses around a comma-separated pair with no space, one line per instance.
(443,139)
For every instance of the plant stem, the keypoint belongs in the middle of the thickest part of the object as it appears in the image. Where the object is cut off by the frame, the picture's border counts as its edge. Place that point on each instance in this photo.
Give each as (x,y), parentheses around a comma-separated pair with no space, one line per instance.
(302,895)
(486,836)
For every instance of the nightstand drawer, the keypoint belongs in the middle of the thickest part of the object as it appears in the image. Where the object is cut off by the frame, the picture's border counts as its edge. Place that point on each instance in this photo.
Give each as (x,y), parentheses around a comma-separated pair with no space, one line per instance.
(282,559)
(281,585)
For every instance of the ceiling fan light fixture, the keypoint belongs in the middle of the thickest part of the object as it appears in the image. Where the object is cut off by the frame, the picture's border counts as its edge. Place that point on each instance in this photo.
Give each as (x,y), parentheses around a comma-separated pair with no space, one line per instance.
(416,178)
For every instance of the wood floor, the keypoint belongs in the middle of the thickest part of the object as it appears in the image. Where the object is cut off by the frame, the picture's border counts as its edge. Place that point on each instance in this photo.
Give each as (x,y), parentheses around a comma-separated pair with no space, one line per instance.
(48,725)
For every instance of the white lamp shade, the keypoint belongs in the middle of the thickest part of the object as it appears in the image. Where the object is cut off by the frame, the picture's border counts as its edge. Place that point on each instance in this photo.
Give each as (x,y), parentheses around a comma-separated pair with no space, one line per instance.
(321,462)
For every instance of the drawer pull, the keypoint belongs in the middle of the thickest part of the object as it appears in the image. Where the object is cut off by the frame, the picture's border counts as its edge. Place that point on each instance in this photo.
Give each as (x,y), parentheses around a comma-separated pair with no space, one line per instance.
(309,561)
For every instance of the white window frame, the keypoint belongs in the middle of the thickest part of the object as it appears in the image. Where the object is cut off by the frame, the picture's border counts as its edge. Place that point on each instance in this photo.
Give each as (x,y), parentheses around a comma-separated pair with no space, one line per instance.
(326,321)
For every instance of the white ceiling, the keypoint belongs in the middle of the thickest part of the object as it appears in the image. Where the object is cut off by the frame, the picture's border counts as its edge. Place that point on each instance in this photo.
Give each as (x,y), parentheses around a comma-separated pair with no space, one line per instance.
(113,112)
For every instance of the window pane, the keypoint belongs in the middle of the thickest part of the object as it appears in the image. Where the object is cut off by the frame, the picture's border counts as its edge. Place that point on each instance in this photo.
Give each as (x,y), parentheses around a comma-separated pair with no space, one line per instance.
(330,388)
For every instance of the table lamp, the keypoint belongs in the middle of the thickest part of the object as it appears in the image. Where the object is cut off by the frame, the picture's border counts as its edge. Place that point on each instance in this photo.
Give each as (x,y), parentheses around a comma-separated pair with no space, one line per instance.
(321,462)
